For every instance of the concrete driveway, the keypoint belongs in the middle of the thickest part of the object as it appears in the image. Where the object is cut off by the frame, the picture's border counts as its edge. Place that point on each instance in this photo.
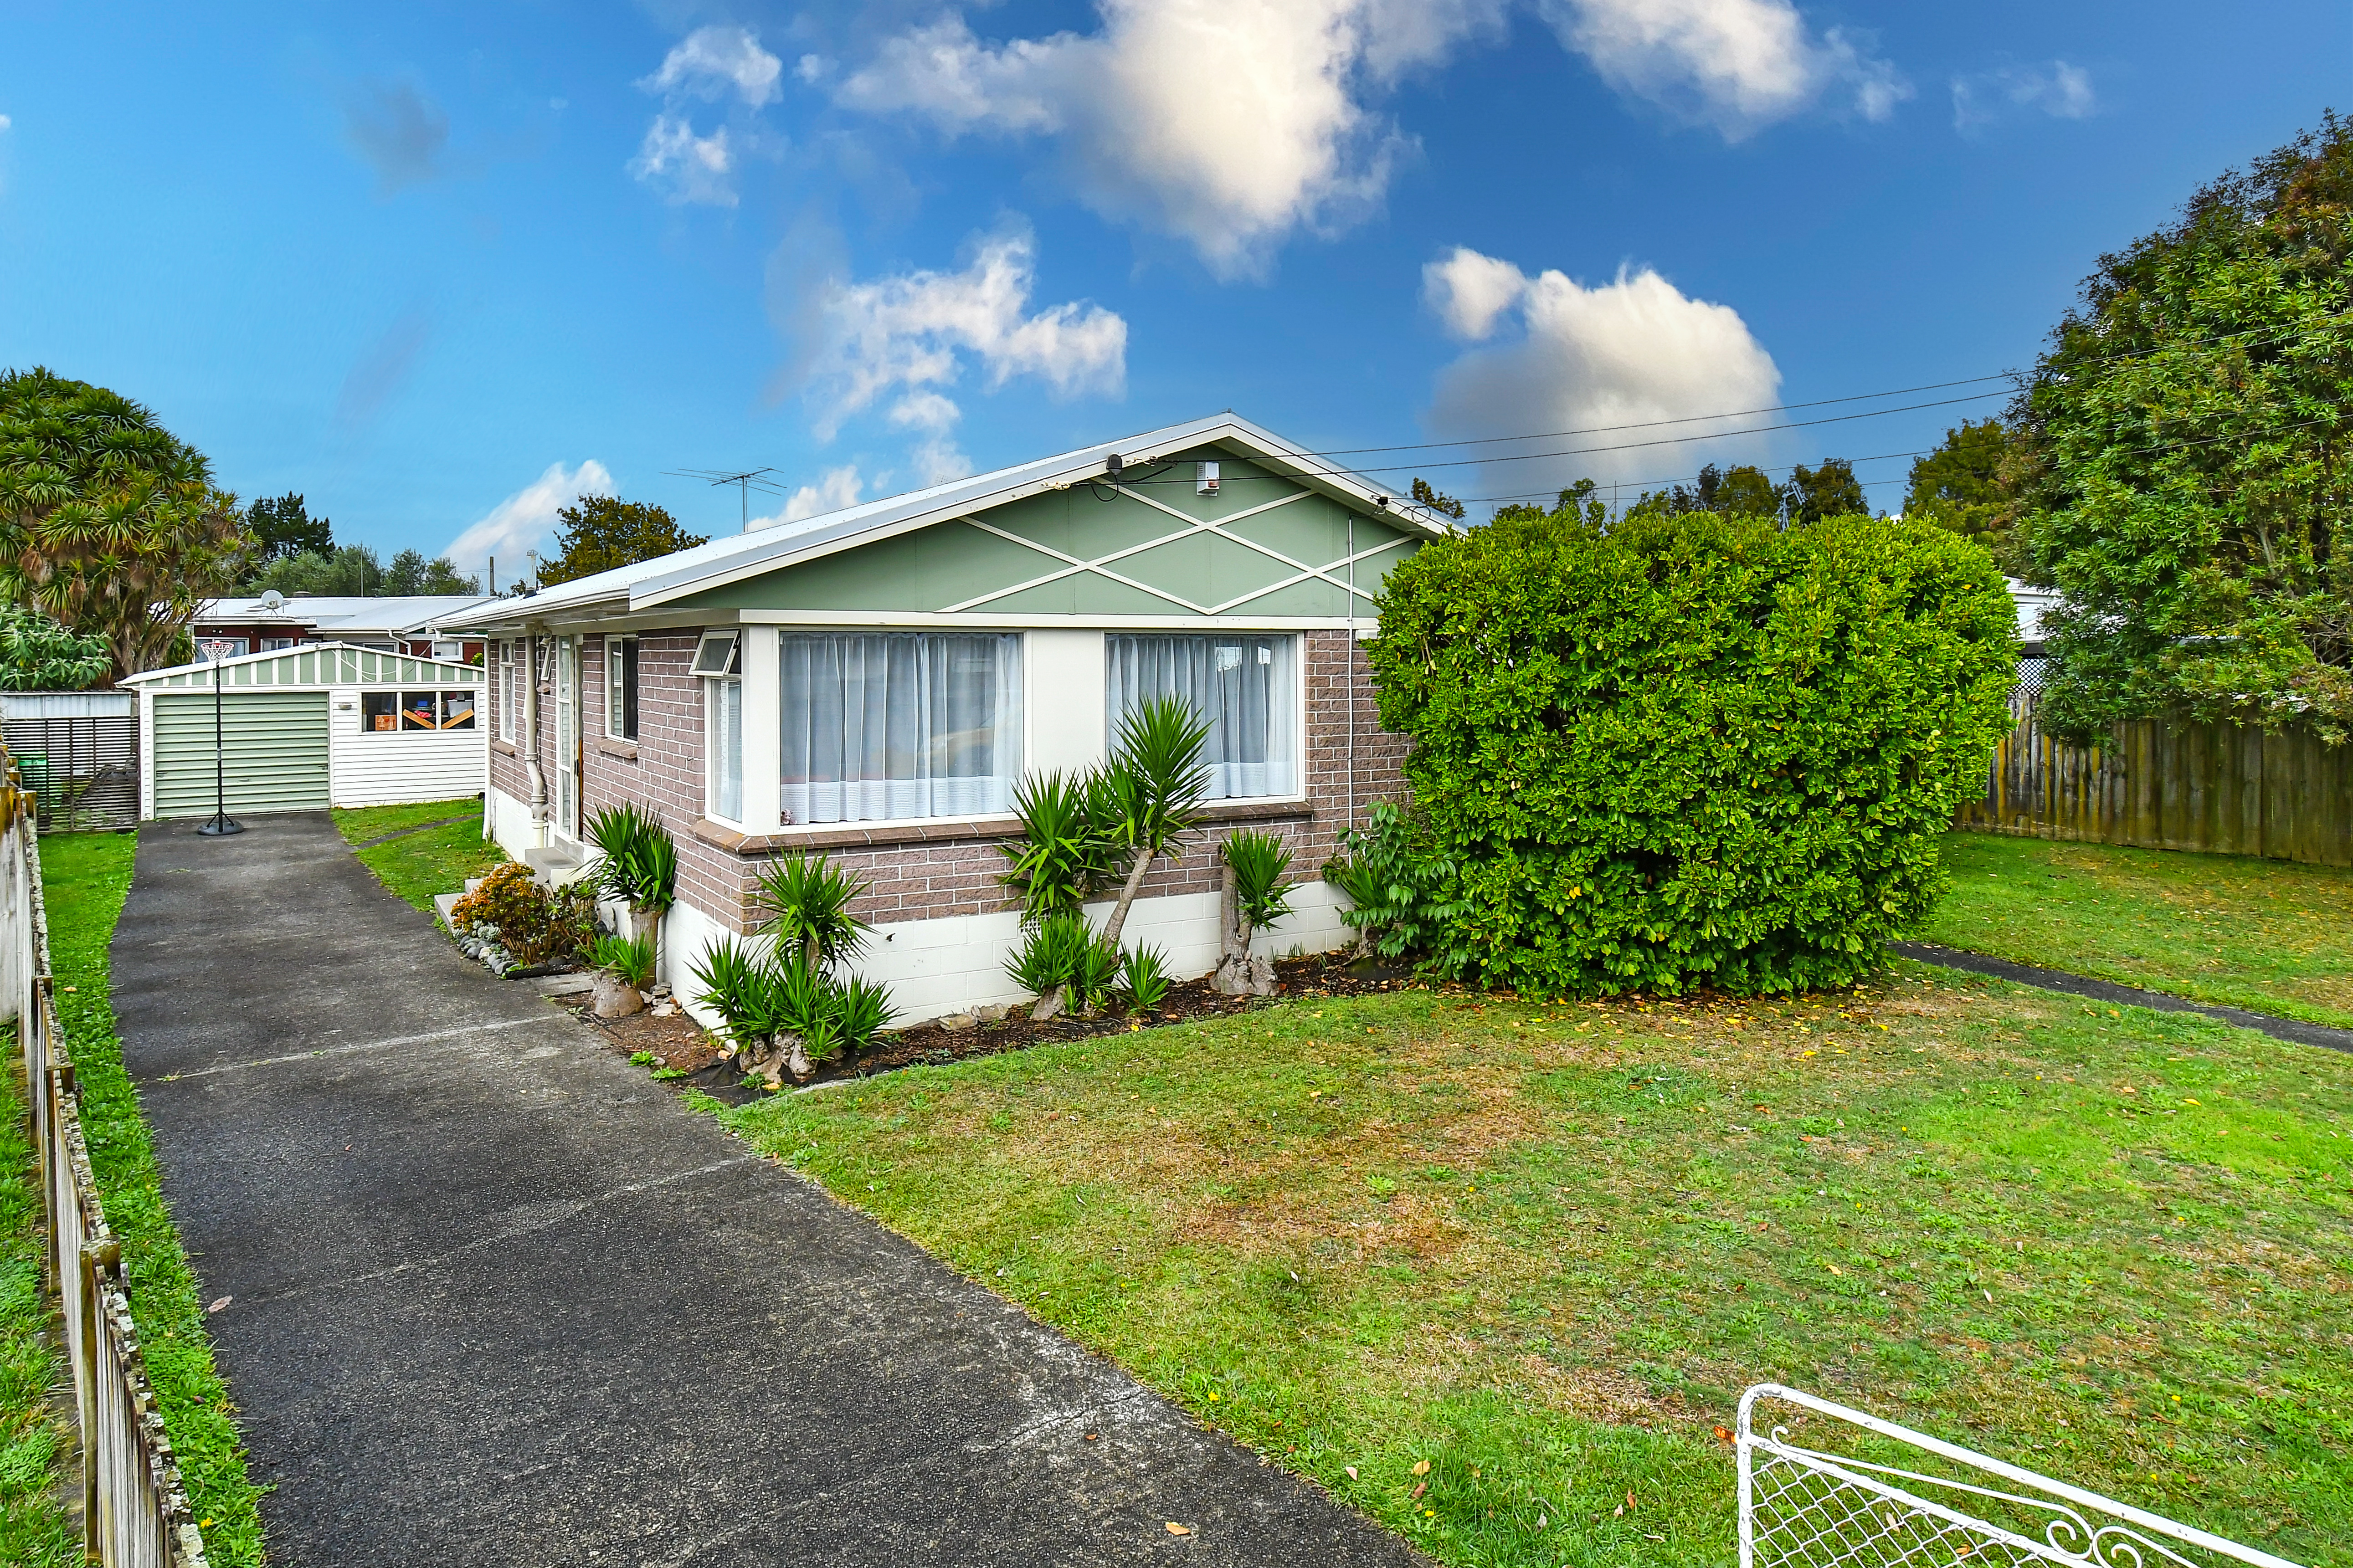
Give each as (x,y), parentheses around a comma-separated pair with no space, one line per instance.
(496,1299)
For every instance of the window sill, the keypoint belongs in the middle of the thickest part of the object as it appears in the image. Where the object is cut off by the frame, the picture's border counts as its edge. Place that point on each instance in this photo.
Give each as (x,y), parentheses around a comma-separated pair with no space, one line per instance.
(624,750)
(949,830)
(850,835)
(506,747)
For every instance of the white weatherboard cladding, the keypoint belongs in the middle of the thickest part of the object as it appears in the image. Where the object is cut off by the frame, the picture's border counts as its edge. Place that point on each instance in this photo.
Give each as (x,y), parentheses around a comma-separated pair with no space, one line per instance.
(272,754)
(389,769)
(317,665)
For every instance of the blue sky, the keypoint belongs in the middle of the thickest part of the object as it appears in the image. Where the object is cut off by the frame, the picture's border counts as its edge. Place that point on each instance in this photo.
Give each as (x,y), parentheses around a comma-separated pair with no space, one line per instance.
(442,268)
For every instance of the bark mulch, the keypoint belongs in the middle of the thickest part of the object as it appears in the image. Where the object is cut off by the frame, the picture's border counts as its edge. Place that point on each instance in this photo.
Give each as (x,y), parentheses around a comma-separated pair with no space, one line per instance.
(682,1046)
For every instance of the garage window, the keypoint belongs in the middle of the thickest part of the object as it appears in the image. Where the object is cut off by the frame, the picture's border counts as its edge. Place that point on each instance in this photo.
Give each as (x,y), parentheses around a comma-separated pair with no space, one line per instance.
(407,712)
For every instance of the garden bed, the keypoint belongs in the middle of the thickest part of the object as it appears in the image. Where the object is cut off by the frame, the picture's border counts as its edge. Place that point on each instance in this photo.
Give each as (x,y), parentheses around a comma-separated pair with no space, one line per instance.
(683,1048)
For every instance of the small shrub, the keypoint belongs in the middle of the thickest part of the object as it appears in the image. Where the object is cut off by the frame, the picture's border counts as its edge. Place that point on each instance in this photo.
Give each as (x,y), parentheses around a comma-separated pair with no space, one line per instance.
(1394,888)
(630,958)
(1145,969)
(734,985)
(534,925)
(1691,750)
(1060,859)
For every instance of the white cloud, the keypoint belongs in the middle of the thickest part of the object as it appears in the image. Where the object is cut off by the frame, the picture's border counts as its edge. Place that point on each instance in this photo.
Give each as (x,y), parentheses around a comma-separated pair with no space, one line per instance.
(688,168)
(1631,350)
(1736,65)
(6,122)
(712,59)
(835,489)
(914,333)
(1228,123)
(2061,90)
(522,522)
(937,459)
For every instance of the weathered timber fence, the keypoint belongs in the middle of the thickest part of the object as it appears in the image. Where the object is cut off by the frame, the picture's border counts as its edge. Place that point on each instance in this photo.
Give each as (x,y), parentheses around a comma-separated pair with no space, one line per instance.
(2215,787)
(135,1511)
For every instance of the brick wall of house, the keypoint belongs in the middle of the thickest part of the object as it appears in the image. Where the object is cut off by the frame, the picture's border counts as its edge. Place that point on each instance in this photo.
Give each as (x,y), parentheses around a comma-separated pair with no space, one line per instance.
(942,868)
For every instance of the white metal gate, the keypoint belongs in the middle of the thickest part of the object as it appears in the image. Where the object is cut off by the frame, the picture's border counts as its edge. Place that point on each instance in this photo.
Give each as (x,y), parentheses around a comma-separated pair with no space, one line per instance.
(1821,1504)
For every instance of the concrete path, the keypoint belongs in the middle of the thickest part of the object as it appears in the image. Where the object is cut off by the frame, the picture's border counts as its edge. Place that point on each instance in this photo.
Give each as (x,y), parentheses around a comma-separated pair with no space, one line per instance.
(495,1299)
(2292,1029)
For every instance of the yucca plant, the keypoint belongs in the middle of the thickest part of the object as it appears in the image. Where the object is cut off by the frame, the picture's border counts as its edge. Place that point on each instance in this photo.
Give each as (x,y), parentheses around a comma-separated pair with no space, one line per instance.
(1146,971)
(865,1010)
(1060,859)
(804,994)
(630,959)
(1051,954)
(1146,797)
(734,984)
(1095,976)
(806,901)
(1253,896)
(640,863)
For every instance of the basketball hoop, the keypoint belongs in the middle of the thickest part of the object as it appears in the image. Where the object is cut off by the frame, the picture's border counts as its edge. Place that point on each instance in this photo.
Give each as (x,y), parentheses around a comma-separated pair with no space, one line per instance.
(221,823)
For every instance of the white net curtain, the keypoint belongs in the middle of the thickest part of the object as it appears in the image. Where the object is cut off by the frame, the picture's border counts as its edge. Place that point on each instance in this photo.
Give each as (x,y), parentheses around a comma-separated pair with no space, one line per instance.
(1244,686)
(895,725)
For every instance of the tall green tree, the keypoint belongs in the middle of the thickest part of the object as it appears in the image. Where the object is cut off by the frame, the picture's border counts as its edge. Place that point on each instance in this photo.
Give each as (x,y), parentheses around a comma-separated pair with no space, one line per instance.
(38,654)
(1437,501)
(601,532)
(282,527)
(350,571)
(1830,490)
(2184,479)
(107,522)
(1959,485)
(410,573)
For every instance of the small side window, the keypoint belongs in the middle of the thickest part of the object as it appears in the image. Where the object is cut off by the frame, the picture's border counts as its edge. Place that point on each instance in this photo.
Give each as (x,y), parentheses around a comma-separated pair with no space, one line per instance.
(456,710)
(379,711)
(717,654)
(418,710)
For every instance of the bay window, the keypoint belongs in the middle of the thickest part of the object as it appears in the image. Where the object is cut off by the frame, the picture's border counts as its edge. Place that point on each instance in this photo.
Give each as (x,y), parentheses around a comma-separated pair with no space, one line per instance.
(893,726)
(1246,687)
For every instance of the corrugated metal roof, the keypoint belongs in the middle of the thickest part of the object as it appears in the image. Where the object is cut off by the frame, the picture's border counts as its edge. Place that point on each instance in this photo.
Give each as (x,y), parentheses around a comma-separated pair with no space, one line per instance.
(318,665)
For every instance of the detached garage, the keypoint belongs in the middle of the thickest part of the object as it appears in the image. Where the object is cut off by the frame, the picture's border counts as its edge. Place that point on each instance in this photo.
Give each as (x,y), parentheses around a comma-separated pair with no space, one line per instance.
(305,727)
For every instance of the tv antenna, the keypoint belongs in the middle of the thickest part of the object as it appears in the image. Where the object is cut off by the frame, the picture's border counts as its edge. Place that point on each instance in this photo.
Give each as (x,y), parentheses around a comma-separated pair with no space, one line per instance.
(745,482)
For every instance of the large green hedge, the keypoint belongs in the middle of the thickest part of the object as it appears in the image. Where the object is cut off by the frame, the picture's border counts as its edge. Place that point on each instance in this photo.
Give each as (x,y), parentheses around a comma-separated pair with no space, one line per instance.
(1690,750)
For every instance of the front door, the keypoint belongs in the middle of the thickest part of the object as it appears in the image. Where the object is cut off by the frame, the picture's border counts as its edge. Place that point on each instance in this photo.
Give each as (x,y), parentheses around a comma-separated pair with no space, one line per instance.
(567,738)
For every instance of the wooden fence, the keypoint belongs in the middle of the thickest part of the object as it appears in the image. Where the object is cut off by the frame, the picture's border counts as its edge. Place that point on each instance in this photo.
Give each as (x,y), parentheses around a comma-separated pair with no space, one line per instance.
(135,1512)
(2212,788)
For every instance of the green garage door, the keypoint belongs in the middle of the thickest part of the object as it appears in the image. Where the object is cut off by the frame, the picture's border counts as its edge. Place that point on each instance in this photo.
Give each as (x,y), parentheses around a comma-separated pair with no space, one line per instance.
(273,747)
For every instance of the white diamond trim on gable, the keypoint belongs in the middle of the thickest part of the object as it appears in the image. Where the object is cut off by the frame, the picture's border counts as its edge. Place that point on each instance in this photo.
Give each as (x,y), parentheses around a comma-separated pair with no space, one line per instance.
(1073,565)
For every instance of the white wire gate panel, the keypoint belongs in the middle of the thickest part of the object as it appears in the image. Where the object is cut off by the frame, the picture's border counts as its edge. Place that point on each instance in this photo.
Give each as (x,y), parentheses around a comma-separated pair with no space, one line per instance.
(1826,1507)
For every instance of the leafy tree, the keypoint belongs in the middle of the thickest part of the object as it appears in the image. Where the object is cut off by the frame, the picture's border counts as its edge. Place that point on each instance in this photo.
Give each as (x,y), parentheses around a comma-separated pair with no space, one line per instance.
(1959,485)
(2183,483)
(1831,491)
(107,522)
(38,654)
(1436,500)
(283,527)
(1579,499)
(1741,492)
(1686,751)
(410,573)
(601,532)
(352,571)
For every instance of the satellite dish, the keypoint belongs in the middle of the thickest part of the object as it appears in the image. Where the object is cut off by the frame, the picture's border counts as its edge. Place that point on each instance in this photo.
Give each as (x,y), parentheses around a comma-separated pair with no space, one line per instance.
(273,600)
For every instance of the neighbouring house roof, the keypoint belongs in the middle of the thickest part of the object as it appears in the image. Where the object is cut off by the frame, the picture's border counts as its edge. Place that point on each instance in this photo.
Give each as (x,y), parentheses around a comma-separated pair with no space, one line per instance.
(649,584)
(317,663)
(396,615)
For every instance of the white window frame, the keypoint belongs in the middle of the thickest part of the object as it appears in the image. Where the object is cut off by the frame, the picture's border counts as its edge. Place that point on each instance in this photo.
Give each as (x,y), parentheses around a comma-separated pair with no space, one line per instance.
(506,691)
(719,660)
(1298,700)
(617,696)
(771,693)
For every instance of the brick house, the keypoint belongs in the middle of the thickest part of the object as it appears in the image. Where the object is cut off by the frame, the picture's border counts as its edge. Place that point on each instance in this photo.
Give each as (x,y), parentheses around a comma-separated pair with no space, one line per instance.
(871,683)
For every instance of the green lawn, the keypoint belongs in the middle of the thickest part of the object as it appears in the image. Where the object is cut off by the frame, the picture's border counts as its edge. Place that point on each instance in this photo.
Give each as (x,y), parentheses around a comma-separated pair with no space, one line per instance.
(1542,1248)
(434,860)
(2269,935)
(34,1394)
(85,877)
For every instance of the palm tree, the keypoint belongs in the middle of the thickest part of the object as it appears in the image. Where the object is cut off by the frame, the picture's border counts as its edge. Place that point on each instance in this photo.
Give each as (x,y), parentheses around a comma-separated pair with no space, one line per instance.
(1149,796)
(108,522)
